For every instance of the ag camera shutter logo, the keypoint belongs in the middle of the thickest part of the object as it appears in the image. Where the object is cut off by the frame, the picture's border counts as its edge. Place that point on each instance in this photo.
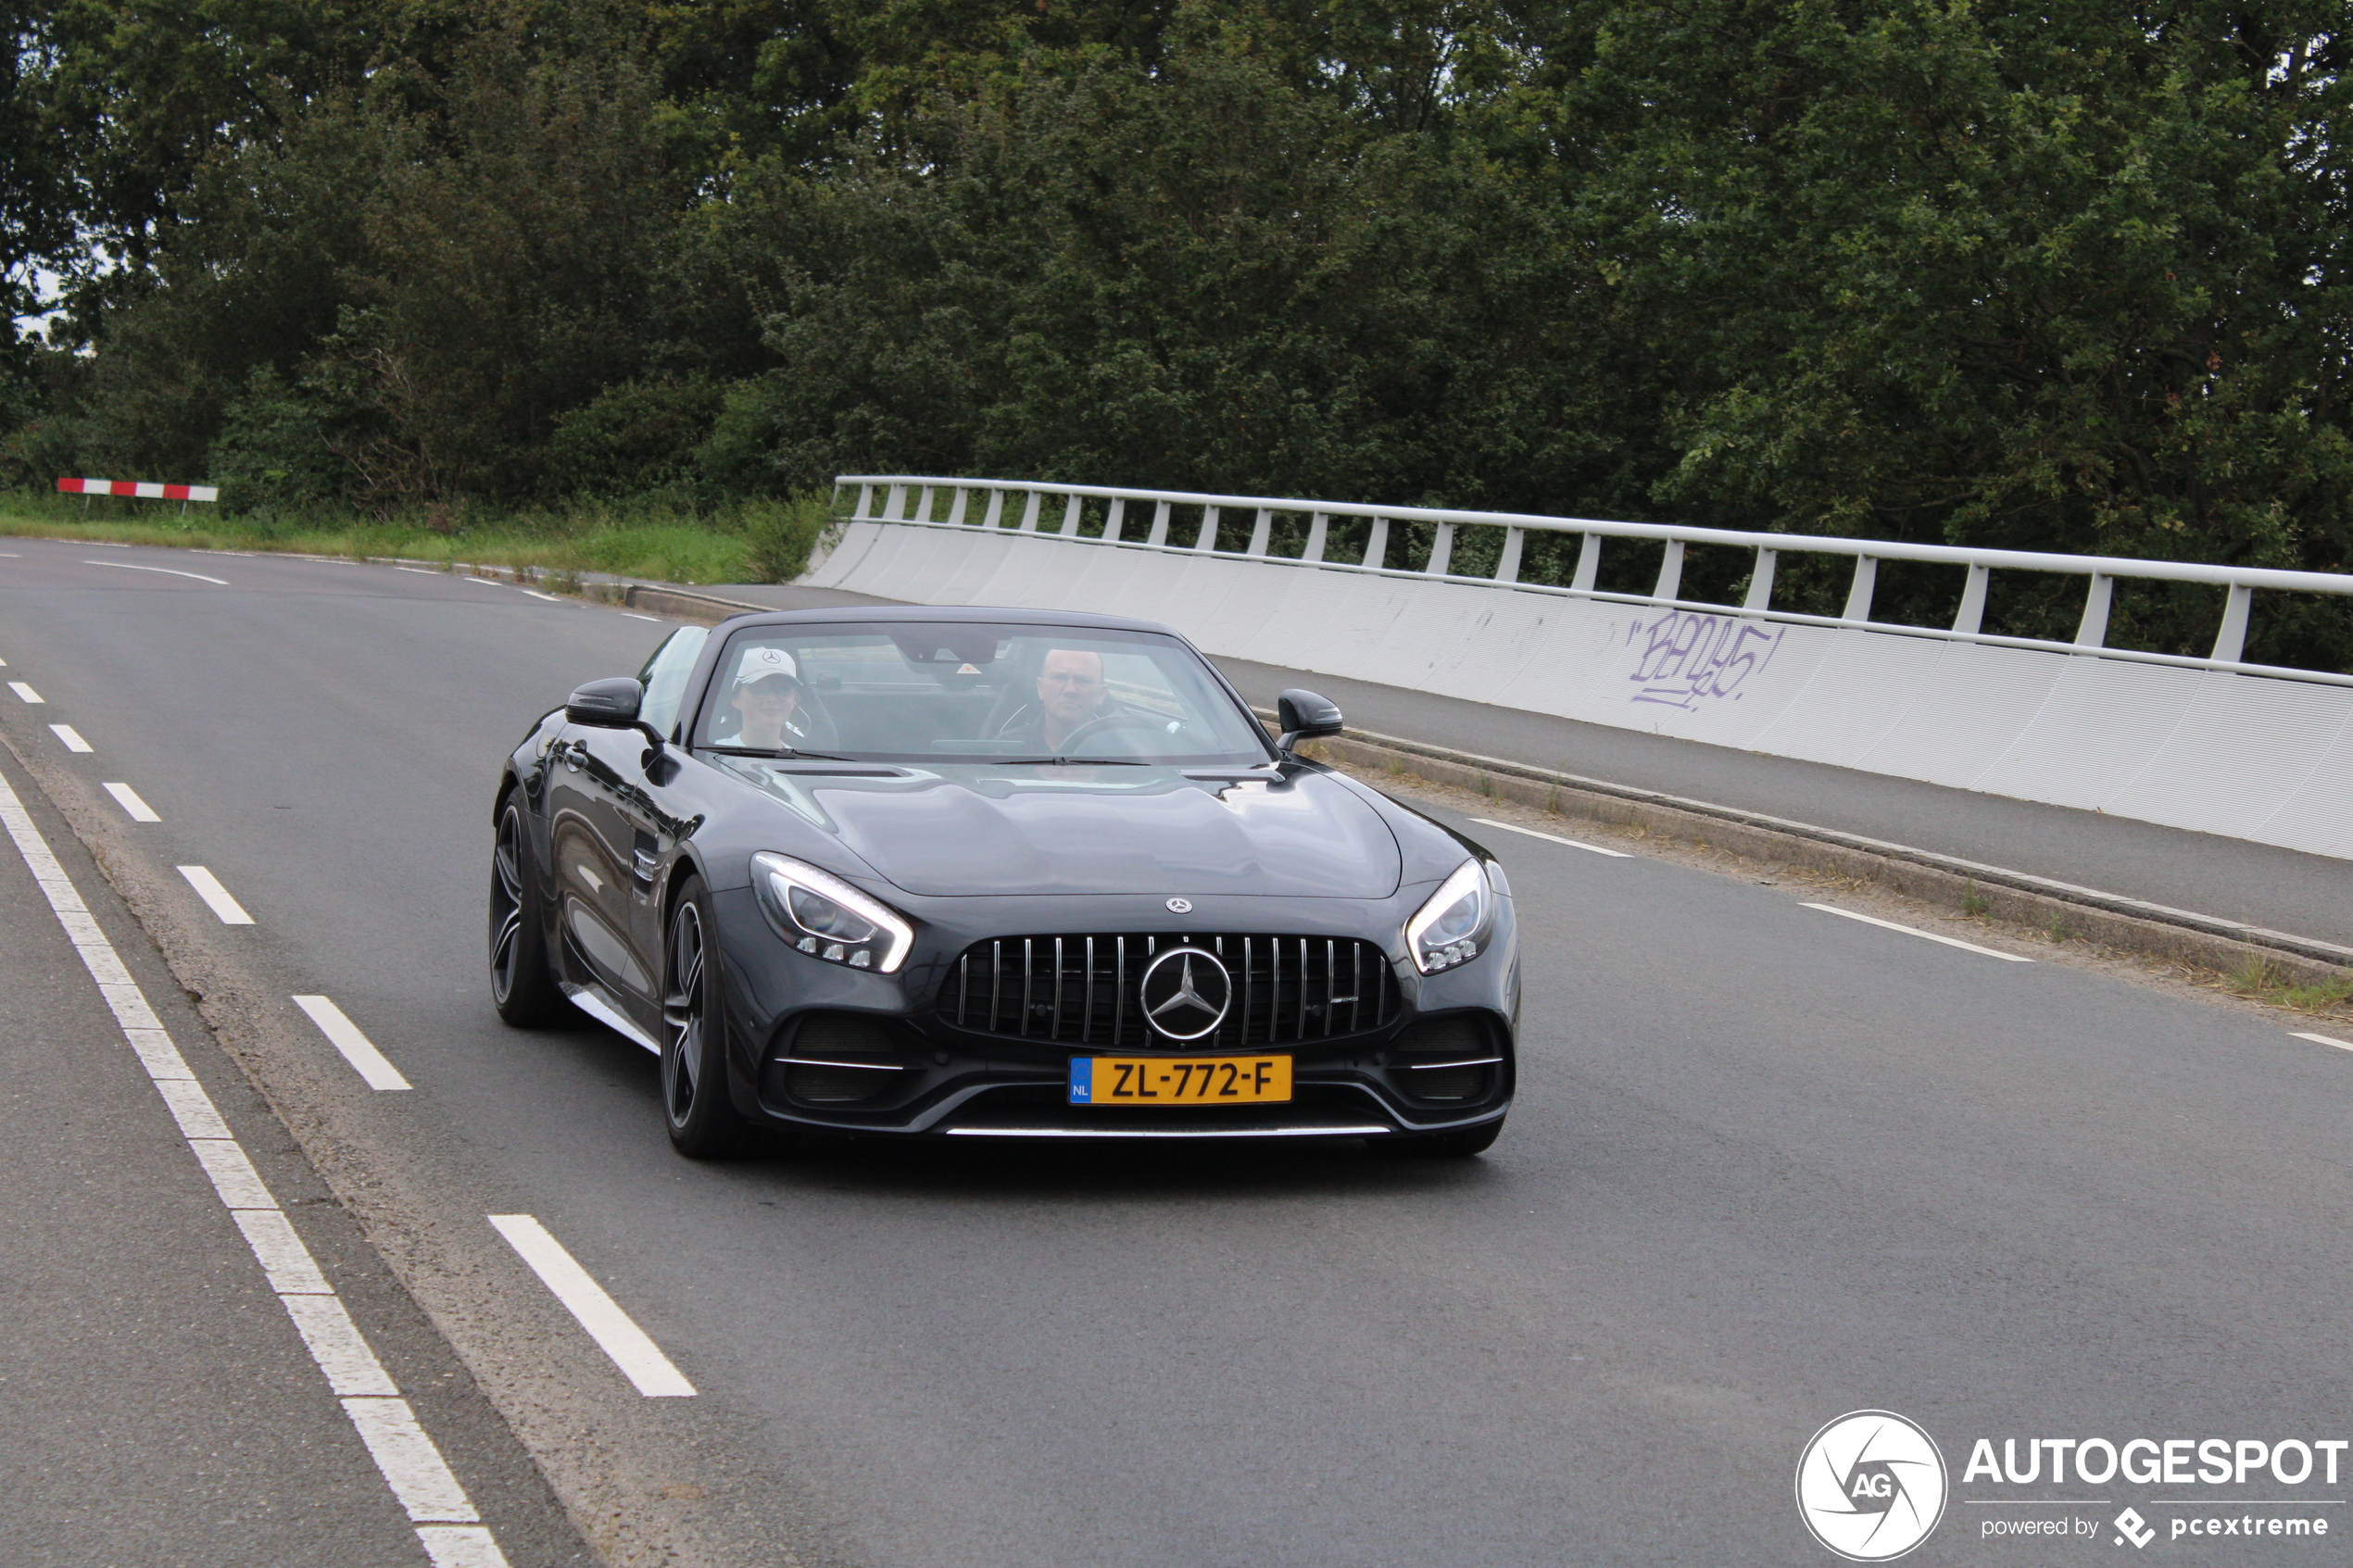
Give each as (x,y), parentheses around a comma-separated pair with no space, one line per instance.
(1871,1485)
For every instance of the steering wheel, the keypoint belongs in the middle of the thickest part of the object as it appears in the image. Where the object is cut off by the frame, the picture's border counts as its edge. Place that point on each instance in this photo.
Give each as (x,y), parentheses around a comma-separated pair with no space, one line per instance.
(1110,723)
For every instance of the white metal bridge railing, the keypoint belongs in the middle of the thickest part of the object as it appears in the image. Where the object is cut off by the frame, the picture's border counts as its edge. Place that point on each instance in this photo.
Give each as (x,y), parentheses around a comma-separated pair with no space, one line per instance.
(916,500)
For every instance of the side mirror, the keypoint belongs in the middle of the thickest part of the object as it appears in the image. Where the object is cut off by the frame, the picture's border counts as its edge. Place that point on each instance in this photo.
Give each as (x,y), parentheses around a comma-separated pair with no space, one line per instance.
(606,705)
(1304,716)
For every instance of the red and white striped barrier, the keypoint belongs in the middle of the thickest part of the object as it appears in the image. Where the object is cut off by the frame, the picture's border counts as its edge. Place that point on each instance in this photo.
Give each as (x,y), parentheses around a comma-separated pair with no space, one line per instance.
(143,489)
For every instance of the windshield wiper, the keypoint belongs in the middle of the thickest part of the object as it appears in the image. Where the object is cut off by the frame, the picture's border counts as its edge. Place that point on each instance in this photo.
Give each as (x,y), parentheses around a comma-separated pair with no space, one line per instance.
(784,753)
(1068,761)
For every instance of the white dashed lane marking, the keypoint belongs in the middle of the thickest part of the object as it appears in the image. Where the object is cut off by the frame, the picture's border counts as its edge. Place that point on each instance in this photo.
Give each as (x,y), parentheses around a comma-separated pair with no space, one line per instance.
(27,693)
(2324,1040)
(639,1358)
(635,616)
(1924,935)
(216,896)
(128,799)
(1553,839)
(71,736)
(446,1523)
(537,594)
(356,1048)
(168,571)
(422,572)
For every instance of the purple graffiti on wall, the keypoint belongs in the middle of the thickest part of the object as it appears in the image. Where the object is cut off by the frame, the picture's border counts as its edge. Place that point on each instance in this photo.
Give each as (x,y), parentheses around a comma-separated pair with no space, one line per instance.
(1688,657)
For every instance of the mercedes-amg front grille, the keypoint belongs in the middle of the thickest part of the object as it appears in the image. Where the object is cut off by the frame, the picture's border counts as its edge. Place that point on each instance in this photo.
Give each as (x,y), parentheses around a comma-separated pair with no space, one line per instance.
(1088,990)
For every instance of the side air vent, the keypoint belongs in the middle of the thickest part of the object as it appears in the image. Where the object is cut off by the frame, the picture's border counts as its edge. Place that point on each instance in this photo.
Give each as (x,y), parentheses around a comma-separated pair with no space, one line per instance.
(1447,1061)
(820,1062)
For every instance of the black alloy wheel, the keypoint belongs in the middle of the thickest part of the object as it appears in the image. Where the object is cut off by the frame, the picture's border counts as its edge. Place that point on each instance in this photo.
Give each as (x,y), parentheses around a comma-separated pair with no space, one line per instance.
(695,1107)
(521,986)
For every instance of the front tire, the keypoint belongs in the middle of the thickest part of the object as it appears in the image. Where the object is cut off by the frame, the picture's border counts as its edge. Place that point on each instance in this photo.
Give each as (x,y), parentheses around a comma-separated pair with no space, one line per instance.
(695,1108)
(521,985)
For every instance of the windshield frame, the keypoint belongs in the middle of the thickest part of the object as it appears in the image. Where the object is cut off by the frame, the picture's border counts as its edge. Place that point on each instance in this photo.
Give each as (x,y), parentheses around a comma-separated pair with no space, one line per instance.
(720,650)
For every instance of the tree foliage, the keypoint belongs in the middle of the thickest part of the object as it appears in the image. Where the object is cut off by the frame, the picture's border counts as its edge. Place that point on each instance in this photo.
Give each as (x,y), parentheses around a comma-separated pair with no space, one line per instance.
(2068,276)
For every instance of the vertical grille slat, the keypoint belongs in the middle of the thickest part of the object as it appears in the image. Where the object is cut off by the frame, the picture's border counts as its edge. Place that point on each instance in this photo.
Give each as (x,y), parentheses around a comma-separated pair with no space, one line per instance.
(1301,1025)
(1054,1020)
(1119,990)
(1087,1023)
(1286,990)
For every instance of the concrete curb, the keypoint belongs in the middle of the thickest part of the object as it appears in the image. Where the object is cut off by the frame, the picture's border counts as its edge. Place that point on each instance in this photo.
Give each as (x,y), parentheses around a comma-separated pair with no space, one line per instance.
(2179,936)
(680,602)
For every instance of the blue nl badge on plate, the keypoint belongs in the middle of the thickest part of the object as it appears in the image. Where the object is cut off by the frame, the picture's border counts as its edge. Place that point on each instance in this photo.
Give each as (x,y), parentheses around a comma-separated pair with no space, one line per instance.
(1082,1080)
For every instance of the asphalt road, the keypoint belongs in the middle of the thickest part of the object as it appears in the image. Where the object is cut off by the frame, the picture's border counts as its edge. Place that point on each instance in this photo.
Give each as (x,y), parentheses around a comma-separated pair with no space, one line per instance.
(1767,1166)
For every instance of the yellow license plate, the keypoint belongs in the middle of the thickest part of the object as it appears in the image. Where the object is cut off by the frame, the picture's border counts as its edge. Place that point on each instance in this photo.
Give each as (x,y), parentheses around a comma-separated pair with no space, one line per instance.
(1176,1080)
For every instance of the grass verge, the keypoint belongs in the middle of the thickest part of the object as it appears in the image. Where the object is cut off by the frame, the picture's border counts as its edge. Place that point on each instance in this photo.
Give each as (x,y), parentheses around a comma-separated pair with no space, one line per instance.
(751,541)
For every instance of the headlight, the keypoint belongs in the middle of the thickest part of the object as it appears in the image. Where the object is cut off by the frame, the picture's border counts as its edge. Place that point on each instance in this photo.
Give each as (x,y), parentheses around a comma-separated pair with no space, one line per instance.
(824,917)
(1449,929)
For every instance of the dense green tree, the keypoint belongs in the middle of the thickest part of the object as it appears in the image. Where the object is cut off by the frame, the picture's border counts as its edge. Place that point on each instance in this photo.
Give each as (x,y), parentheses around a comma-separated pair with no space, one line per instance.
(2067,277)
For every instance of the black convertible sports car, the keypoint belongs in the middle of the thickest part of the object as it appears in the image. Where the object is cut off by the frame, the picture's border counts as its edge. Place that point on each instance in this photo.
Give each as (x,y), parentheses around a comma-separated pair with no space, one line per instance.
(995,874)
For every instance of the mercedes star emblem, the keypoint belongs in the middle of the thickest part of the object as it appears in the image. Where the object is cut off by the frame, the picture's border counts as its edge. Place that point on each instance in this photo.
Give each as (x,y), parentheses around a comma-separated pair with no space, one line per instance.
(1186,992)
(1180,906)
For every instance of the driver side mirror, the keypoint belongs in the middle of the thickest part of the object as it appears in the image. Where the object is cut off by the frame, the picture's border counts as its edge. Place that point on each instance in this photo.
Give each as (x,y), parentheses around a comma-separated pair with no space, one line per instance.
(1304,716)
(606,705)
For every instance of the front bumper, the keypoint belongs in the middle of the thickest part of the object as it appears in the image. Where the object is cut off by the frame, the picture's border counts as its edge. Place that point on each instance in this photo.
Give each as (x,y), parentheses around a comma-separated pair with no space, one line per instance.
(788,1015)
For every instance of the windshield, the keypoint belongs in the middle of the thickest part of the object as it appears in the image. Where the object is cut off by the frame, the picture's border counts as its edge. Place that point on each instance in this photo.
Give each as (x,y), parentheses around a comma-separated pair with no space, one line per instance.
(945,692)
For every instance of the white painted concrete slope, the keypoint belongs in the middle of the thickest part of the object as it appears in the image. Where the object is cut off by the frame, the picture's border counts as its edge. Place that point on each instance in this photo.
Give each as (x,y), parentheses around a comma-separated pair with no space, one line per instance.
(2213,751)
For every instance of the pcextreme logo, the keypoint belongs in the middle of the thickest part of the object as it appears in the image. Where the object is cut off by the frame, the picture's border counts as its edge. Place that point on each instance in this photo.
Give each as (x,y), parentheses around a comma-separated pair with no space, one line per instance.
(1870,1486)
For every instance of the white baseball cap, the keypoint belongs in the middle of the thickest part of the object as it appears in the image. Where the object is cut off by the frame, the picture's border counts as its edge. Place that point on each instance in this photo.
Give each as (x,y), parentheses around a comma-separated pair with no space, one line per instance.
(761,663)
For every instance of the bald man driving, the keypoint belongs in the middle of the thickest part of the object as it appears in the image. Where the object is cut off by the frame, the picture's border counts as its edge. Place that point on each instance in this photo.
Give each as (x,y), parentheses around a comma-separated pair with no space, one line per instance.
(1070,695)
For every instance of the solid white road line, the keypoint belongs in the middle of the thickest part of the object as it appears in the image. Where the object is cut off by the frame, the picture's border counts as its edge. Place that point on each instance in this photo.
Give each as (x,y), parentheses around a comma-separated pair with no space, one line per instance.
(1926,935)
(27,693)
(356,1048)
(71,736)
(282,1256)
(461,1546)
(446,1524)
(1572,843)
(209,888)
(335,1345)
(411,1463)
(168,571)
(129,798)
(2324,1040)
(639,1358)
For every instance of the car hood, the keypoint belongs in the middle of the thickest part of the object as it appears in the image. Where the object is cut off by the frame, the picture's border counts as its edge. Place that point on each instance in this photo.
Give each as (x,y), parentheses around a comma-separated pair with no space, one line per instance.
(971,830)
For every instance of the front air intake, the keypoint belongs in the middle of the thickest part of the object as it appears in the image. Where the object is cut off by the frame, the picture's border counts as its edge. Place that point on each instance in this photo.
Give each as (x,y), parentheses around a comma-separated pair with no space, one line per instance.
(1085,990)
(820,1062)
(1447,1060)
